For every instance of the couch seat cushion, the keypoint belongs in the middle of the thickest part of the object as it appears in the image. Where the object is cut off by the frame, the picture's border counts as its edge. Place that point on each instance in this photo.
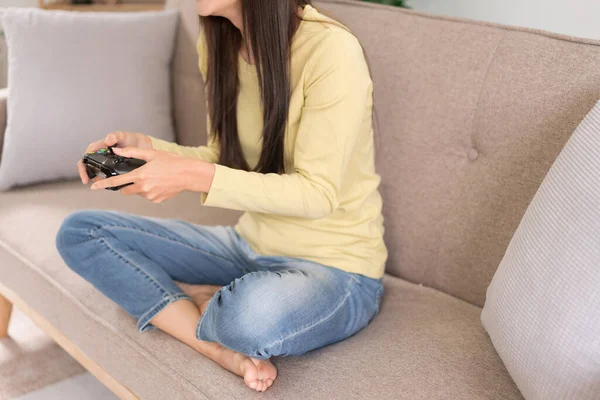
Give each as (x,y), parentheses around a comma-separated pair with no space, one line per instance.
(424,344)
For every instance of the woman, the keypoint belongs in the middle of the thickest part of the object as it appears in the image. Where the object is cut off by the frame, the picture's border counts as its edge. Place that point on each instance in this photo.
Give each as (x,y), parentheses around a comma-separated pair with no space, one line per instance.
(291,144)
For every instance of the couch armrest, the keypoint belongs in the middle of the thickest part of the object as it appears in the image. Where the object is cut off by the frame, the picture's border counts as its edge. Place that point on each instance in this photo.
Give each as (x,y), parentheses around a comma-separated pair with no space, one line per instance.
(3,116)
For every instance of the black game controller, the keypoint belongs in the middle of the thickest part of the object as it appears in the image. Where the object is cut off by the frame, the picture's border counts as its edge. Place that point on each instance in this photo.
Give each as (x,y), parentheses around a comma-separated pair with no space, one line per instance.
(105,164)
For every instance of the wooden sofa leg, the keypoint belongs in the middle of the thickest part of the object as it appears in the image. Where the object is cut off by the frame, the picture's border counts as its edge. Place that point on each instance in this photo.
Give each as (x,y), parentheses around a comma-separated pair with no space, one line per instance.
(5,311)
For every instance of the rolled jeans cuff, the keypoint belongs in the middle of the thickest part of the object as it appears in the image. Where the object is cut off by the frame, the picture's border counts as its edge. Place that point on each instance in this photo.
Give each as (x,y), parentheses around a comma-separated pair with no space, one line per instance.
(168,298)
(203,331)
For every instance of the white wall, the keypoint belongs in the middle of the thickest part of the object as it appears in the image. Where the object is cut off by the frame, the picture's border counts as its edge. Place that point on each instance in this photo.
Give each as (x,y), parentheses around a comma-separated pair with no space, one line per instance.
(574,17)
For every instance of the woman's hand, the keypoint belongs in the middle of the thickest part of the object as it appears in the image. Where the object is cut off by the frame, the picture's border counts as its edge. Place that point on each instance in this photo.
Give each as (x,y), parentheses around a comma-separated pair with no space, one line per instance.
(122,139)
(164,175)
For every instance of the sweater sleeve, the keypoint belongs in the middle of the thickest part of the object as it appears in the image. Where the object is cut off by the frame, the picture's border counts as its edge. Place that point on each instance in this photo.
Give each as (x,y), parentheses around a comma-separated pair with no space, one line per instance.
(337,91)
(209,153)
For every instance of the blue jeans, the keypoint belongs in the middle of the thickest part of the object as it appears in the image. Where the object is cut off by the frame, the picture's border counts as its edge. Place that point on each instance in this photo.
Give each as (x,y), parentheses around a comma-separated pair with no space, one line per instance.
(268,306)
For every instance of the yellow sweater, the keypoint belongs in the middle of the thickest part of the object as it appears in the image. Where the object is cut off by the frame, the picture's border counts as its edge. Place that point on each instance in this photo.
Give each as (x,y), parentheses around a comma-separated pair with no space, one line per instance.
(326,207)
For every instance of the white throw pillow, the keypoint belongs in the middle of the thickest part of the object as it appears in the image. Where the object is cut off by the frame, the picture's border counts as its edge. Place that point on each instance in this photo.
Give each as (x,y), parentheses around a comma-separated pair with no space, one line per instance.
(73,78)
(542,310)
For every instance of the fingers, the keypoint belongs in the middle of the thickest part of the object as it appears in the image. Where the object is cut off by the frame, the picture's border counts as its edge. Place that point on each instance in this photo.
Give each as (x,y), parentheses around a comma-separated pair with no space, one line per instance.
(93,147)
(152,195)
(114,138)
(130,190)
(82,173)
(114,181)
(135,152)
(138,188)
(111,139)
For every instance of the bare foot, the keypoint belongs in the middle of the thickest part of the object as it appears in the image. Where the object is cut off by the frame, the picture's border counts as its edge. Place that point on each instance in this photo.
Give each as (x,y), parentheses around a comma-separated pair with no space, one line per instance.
(258,374)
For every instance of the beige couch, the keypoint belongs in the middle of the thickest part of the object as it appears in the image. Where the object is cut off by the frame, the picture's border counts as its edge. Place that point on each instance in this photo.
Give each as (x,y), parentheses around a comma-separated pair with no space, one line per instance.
(470,118)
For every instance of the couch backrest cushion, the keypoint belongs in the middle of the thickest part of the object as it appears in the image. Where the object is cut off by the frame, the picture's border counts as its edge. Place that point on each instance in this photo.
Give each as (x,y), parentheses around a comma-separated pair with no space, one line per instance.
(469,117)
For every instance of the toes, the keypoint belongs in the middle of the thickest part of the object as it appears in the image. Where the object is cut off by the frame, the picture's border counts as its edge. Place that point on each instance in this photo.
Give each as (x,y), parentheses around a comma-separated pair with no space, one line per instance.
(260,386)
(259,374)
(256,385)
(266,369)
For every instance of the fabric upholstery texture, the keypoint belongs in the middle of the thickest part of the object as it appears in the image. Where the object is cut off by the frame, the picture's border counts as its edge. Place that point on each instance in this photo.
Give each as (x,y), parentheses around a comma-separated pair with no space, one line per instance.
(469,118)
(420,334)
(542,307)
(67,90)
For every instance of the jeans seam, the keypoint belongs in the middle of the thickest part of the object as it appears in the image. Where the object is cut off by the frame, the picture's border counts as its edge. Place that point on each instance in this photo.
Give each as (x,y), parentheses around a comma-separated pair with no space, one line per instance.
(132,264)
(313,324)
(103,226)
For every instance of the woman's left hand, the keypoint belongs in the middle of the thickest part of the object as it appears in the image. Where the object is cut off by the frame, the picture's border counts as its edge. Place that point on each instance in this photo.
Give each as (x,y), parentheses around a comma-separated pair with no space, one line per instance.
(164,175)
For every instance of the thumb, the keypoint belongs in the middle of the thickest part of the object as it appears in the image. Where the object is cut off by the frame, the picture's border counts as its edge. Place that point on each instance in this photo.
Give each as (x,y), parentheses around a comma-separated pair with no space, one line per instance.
(135,152)
(111,139)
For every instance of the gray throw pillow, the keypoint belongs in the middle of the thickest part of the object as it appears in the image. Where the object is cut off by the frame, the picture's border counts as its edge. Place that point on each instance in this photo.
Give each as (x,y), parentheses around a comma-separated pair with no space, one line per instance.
(542,310)
(73,78)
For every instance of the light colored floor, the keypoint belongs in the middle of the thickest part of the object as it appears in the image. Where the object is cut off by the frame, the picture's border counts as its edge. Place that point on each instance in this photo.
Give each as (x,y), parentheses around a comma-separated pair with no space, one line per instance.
(78,387)
(33,367)
(30,360)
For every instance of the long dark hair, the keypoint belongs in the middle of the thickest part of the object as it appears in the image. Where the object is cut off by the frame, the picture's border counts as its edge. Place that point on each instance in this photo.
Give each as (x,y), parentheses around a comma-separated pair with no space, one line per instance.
(269,26)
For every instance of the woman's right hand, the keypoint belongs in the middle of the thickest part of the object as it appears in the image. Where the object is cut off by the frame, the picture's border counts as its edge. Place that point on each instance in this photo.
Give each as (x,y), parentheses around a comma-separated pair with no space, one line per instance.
(120,139)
